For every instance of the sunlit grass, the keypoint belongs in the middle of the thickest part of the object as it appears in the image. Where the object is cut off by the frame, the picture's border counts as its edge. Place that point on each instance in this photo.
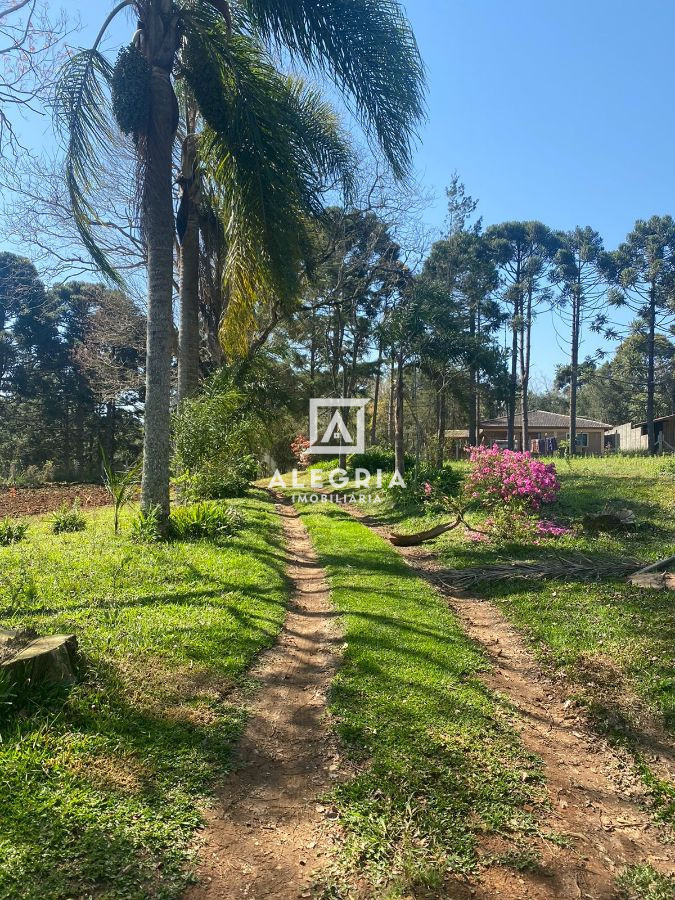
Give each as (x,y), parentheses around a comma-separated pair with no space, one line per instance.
(441,762)
(101,785)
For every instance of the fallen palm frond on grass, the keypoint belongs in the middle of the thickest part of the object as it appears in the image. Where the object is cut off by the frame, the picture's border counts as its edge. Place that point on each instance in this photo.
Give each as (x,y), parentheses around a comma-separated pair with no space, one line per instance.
(573,567)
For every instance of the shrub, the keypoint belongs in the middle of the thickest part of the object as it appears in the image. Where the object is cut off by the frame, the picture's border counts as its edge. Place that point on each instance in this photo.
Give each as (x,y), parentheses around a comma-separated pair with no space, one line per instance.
(204,520)
(375,458)
(145,526)
(429,486)
(214,437)
(511,477)
(68,520)
(299,448)
(213,482)
(324,465)
(11,531)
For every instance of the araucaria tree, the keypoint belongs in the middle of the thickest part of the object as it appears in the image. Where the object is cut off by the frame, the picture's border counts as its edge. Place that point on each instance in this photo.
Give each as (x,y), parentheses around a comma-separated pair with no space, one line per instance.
(252,116)
(579,273)
(643,268)
(523,252)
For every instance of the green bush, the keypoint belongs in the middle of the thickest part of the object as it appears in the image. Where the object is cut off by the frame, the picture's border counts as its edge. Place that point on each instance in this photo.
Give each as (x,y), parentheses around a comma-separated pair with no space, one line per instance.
(204,520)
(215,435)
(443,482)
(145,526)
(376,458)
(216,482)
(68,519)
(324,465)
(11,531)
(447,480)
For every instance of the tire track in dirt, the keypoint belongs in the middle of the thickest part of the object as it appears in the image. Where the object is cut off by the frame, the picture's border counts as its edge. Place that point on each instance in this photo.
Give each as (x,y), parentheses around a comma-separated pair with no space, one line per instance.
(266,836)
(596,801)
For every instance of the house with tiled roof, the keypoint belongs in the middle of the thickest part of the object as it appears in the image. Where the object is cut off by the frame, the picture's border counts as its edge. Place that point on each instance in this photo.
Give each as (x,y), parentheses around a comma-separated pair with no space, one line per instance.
(546,427)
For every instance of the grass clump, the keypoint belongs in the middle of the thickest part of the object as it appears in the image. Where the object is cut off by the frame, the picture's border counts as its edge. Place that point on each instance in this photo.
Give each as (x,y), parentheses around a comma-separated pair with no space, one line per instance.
(198,521)
(102,784)
(645,883)
(11,531)
(204,520)
(68,519)
(441,761)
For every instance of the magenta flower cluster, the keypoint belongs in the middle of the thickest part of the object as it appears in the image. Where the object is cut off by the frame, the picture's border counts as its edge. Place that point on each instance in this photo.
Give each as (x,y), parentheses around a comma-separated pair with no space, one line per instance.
(511,477)
(546,528)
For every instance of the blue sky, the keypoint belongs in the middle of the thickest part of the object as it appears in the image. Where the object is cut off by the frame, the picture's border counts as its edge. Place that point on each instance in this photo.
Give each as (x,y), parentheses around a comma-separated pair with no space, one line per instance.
(558,112)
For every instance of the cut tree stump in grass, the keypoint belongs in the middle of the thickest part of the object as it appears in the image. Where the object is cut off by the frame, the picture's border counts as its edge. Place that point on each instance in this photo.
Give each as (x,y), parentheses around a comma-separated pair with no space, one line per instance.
(29,661)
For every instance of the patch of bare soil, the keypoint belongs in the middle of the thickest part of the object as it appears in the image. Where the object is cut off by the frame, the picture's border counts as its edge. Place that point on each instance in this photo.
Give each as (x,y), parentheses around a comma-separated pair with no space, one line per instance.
(597,802)
(266,836)
(31,501)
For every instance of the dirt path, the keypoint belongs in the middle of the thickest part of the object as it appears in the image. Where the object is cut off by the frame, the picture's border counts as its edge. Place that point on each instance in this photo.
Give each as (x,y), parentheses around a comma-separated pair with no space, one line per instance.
(595,799)
(264,837)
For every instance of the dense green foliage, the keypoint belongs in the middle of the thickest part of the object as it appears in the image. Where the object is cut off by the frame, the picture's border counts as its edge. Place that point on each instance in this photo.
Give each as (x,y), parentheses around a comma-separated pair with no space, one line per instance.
(70,375)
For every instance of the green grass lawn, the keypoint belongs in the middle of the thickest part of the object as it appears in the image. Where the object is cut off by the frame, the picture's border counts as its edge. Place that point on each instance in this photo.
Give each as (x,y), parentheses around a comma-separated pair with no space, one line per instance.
(442,764)
(100,785)
(614,642)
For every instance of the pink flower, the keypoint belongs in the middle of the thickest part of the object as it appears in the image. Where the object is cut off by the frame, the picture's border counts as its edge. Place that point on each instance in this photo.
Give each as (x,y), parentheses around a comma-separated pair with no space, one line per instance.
(427,488)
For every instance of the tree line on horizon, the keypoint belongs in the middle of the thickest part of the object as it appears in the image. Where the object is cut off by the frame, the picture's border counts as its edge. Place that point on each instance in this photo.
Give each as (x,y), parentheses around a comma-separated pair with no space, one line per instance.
(194,158)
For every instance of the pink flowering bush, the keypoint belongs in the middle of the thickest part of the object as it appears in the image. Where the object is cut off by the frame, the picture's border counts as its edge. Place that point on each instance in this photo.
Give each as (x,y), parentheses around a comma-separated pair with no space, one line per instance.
(299,448)
(513,486)
(510,477)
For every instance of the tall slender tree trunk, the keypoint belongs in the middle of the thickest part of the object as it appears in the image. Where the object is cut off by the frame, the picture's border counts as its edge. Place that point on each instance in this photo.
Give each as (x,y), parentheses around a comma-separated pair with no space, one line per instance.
(111,429)
(513,379)
(651,436)
(399,448)
(376,397)
(392,392)
(188,328)
(478,381)
(574,374)
(440,436)
(526,345)
(513,382)
(159,225)
(472,378)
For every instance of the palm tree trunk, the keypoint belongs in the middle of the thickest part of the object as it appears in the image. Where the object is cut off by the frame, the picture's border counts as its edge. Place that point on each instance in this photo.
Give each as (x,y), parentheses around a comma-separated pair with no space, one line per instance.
(159,226)
(392,390)
(188,329)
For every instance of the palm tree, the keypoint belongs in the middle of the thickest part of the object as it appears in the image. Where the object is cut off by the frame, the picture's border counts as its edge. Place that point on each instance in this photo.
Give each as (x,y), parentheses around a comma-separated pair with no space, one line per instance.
(308,147)
(366,46)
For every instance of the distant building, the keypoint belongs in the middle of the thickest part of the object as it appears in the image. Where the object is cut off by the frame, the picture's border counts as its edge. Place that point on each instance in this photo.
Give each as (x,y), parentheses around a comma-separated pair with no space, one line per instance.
(633,437)
(544,433)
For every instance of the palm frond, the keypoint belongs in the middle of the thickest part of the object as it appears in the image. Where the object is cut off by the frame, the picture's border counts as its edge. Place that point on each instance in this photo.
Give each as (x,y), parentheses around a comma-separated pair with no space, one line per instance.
(274,147)
(81,103)
(368,48)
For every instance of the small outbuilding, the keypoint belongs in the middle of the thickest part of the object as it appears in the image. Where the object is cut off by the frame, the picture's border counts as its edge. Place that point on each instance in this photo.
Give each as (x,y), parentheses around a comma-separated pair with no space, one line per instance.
(632,437)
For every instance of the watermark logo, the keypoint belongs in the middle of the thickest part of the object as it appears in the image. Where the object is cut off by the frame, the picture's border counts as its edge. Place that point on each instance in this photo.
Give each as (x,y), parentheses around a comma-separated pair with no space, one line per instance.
(337,428)
(322,441)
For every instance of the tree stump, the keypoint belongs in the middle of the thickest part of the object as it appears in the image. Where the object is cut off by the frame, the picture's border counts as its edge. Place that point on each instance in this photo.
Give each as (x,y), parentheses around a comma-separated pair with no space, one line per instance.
(28,662)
